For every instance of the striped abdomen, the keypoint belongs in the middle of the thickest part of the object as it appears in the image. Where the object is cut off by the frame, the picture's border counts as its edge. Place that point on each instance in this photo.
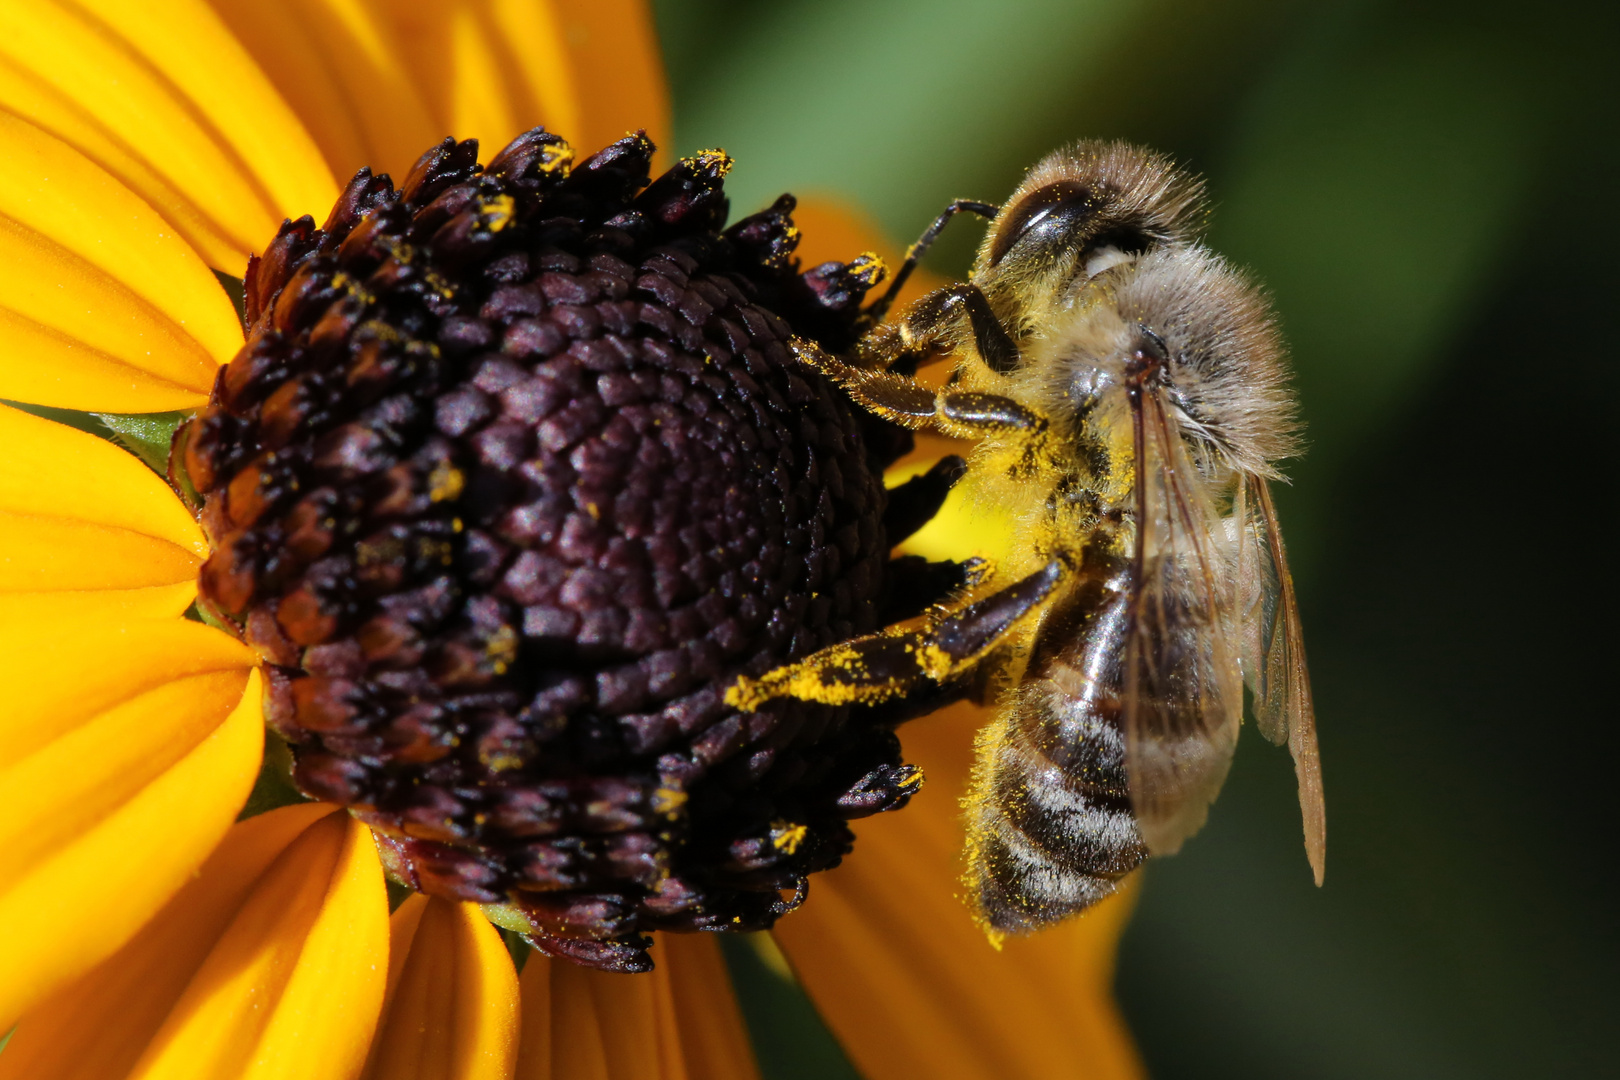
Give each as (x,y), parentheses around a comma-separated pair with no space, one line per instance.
(1051,825)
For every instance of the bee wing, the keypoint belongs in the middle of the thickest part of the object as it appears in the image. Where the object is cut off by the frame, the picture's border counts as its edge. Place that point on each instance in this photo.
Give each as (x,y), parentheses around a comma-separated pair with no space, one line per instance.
(1274,655)
(1183,678)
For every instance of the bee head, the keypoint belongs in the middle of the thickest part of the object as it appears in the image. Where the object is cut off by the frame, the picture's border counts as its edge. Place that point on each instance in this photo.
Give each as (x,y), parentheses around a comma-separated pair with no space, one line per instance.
(1189,324)
(1078,212)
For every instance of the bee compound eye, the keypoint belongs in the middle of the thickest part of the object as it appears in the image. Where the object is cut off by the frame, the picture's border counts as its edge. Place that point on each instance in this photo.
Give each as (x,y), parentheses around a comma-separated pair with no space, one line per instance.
(1045,214)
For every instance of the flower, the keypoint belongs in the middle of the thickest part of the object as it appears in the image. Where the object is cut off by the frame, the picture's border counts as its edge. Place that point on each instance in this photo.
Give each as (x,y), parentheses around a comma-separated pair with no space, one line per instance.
(145,933)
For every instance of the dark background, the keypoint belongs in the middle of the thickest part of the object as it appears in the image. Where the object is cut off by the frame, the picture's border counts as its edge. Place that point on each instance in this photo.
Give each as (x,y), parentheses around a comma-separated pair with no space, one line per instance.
(1428,189)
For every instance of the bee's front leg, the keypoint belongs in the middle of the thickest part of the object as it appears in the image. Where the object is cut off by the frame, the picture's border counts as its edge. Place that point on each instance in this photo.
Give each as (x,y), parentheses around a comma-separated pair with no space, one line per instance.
(935,324)
(891,663)
(905,401)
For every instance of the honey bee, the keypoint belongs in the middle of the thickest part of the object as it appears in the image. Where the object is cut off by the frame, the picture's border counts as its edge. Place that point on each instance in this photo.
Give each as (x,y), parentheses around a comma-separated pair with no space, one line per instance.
(1128,391)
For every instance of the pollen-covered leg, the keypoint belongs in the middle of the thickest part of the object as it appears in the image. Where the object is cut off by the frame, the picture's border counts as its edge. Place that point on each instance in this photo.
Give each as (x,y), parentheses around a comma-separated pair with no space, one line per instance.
(885,665)
(896,398)
(935,324)
(903,400)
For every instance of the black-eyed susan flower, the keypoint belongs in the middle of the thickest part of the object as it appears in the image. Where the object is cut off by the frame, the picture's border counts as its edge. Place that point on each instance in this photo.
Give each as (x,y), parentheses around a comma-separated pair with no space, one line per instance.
(411,495)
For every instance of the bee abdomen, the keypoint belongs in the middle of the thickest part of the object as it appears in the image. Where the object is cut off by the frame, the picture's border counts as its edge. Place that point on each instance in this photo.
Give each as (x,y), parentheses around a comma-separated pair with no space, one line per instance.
(1053,831)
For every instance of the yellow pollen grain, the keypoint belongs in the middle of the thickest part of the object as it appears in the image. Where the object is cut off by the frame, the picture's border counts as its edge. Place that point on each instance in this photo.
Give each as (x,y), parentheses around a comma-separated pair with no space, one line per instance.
(718,160)
(501,648)
(498,212)
(786,836)
(445,482)
(499,763)
(668,800)
(936,662)
(556,157)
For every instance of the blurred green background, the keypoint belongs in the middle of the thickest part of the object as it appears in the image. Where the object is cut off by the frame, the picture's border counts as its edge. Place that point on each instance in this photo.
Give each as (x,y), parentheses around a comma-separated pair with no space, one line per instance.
(1429,191)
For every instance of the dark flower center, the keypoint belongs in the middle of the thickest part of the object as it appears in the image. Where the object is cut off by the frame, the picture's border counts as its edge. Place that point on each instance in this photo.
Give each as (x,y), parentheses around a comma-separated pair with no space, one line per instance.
(514,475)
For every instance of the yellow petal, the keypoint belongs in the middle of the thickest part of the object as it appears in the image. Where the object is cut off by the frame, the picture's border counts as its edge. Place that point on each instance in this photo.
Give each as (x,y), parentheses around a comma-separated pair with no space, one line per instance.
(907,980)
(293,987)
(679,1022)
(50,470)
(612,50)
(188,45)
(78,514)
(96,1027)
(108,821)
(26,95)
(451,1012)
(587,69)
(58,673)
(102,605)
(63,788)
(170,84)
(714,1040)
(339,65)
(102,305)
(42,553)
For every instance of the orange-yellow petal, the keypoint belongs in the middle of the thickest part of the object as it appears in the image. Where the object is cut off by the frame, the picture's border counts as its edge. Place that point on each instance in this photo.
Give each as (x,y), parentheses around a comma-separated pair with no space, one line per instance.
(293,987)
(714,1040)
(339,65)
(103,823)
(679,1023)
(58,673)
(169,85)
(96,1027)
(451,1012)
(102,306)
(49,470)
(588,69)
(906,979)
(99,605)
(612,49)
(26,95)
(87,532)
(45,553)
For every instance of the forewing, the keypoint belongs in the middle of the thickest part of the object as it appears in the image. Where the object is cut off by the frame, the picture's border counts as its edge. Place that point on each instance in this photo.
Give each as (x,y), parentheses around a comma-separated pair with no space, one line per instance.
(1274,655)
(1183,681)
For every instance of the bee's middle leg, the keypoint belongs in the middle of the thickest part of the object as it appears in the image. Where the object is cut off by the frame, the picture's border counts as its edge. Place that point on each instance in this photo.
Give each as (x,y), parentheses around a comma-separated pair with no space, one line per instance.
(889,664)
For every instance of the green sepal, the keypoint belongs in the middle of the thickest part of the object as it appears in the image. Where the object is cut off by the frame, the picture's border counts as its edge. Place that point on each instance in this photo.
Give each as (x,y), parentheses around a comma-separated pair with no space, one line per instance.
(146,435)
(398,893)
(512,924)
(274,787)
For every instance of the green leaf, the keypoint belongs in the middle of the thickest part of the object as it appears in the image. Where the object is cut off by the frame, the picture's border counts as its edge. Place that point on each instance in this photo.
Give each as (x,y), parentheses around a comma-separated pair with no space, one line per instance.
(790,1039)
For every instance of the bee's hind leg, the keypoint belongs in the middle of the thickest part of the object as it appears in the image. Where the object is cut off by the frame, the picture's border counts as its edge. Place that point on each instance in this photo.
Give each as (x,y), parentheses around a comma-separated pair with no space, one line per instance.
(891,663)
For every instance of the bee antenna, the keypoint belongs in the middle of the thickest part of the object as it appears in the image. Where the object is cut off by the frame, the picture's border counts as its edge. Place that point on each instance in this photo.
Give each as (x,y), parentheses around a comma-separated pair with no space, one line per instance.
(915,252)
(1158,342)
